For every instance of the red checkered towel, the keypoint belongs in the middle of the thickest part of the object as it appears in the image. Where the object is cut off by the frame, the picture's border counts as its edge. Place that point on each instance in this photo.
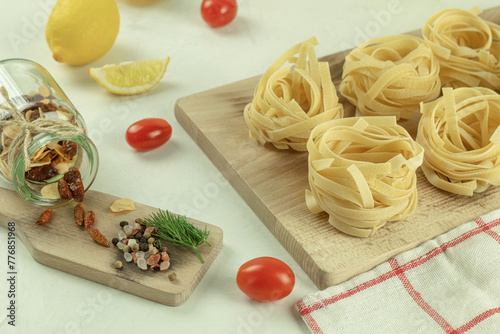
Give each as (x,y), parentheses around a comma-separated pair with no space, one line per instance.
(447,285)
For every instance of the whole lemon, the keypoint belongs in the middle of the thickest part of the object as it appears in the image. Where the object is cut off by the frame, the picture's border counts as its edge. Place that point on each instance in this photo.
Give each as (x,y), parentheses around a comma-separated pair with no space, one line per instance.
(141,2)
(81,31)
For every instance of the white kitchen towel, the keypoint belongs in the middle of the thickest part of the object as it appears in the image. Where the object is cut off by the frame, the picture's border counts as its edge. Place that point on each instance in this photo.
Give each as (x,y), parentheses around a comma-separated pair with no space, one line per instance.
(450,284)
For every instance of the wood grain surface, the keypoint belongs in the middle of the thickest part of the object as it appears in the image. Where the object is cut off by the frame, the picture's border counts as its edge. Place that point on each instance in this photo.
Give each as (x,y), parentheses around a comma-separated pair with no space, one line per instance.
(273,182)
(63,245)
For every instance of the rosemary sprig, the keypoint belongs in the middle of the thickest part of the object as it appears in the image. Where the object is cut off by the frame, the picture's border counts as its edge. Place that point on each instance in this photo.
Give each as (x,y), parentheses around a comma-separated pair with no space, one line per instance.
(176,230)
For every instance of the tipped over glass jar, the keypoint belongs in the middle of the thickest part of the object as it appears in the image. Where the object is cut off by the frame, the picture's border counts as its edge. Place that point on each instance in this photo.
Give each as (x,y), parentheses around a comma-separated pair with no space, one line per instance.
(44,150)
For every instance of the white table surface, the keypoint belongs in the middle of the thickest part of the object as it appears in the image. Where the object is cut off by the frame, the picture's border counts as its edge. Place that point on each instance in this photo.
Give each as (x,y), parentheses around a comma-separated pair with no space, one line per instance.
(178,176)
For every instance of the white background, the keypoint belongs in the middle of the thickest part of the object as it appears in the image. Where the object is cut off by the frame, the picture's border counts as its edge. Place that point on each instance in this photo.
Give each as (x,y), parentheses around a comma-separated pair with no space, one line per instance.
(178,176)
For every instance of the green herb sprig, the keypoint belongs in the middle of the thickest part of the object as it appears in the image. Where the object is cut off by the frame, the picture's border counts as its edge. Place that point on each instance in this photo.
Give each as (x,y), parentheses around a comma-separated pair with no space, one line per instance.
(176,230)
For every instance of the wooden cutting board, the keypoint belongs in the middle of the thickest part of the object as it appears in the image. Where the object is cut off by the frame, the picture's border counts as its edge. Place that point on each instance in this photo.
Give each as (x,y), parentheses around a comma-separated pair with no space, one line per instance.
(273,182)
(63,245)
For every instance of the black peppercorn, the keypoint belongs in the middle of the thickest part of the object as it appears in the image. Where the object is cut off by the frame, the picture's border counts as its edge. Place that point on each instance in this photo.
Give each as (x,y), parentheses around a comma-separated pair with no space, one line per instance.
(143,240)
(115,241)
(138,235)
(144,247)
(123,223)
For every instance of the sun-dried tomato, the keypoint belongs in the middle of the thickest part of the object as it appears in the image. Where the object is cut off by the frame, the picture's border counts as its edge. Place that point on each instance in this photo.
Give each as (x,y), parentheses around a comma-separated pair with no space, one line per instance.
(79,213)
(41,173)
(69,148)
(98,237)
(71,175)
(74,180)
(88,219)
(44,217)
(63,189)
(49,107)
(34,116)
(33,106)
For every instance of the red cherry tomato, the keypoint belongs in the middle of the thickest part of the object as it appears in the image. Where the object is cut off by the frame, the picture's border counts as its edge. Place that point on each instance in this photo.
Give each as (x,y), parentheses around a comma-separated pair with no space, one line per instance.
(218,13)
(265,279)
(148,134)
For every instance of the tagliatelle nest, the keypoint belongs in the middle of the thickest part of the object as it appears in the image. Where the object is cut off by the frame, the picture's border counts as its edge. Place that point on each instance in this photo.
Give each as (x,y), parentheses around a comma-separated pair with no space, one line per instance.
(460,133)
(290,101)
(362,173)
(390,76)
(466,46)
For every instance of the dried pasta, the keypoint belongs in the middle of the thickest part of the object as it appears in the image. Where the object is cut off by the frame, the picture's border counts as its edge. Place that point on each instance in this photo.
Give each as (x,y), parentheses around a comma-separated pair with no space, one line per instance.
(291,100)
(466,46)
(390,76)
(460,133)
(362,173)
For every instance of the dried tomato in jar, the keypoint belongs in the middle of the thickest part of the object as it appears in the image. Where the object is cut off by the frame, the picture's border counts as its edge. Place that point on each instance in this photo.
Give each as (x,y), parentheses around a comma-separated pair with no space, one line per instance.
(54,145)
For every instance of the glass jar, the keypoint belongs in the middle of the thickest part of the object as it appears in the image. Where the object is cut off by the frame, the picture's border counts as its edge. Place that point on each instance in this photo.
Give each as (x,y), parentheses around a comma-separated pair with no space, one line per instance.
(52,152)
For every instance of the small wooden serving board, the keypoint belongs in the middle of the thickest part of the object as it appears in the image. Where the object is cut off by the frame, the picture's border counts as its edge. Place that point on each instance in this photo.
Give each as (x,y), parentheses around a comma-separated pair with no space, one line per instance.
(63,245)
(273,182)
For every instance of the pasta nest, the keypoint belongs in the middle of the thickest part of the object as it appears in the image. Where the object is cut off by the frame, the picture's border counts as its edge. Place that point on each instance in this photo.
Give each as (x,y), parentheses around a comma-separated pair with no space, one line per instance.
(460,133)
(390,76)
(362,173)
(291,100)
(466,46)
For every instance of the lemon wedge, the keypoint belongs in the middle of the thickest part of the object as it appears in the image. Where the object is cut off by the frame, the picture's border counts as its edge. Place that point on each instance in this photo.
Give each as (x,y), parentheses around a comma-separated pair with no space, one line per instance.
(130,78)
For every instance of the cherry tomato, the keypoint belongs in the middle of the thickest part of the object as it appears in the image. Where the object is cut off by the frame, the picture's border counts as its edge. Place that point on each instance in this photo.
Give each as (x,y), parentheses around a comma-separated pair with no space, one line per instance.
(218,13)
(265,279)
(148,133)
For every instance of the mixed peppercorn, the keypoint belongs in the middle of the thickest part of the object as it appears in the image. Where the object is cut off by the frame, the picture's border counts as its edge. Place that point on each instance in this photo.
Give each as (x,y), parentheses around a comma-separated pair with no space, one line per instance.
(139,244)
